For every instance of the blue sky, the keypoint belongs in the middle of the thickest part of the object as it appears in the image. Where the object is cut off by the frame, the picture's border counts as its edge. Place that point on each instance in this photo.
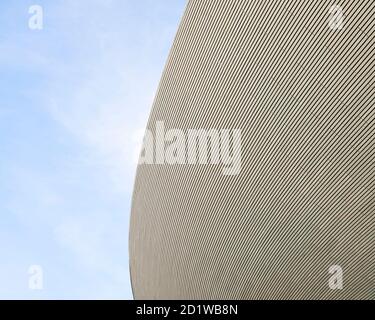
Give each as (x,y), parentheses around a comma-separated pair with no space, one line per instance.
(74,99)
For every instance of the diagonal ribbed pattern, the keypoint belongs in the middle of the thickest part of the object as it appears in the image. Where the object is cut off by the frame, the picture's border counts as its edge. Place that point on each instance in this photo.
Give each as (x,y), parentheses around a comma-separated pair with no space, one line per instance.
(303,96)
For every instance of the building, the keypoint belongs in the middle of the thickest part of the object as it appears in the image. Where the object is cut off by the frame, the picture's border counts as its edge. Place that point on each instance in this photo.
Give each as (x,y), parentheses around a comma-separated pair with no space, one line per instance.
(297,221)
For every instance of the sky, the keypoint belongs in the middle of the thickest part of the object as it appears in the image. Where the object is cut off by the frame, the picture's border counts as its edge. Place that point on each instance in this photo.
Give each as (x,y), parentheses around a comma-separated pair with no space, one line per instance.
(74,101)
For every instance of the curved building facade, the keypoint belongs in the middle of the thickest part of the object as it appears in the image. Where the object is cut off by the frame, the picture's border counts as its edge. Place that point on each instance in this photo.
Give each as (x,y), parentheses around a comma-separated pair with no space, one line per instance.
(296,221)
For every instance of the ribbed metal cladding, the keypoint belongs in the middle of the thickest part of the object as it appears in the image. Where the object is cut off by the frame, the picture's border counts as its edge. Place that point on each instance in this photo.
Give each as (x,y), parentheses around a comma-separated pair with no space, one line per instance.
(303,96)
